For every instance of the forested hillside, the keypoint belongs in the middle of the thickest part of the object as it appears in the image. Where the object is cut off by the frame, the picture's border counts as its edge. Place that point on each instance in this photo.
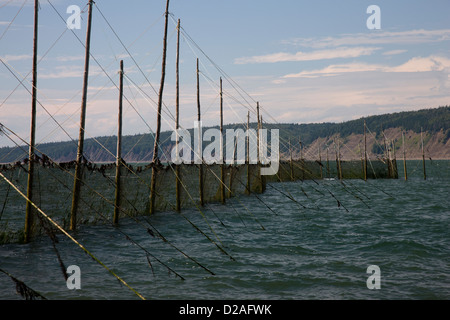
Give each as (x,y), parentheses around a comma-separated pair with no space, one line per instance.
(435,124)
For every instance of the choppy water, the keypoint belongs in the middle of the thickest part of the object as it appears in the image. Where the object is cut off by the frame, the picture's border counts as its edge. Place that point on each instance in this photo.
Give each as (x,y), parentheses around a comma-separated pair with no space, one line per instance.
(312,248)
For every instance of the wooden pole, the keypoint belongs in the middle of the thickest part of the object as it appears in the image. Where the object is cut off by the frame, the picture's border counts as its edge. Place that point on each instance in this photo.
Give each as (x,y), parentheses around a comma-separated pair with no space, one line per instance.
(394,161)
(362,159)
(365,152)
(257,133)
(158,120)
(230,192)
(386,155)
(79,165)
(301,159)
(423,157)
(328,164)
(117,201)
(290,160)
(248,153)
(31,154)
(200,151)
(404,156)
(262,179)
(338,160)
(320,161)
(177,124)
(222,166)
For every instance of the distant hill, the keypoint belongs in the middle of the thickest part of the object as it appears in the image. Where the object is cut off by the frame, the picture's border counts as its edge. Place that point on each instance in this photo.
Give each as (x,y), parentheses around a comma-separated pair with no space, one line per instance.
(435,124)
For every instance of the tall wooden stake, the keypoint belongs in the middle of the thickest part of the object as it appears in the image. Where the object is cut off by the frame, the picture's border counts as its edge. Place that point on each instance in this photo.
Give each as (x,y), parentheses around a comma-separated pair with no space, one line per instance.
(328,164)
(290,160)
(320,161)
(404,156)
(29,208)
(257,134)
(222,166)
(338,160)
(303,165)
(79,165)
(177,124)
(200,151)
(386,154)
(117,201)
(262,179)
(365,152)
(158,119)
(230,183)
(361,158)
(248,187)
(423,156)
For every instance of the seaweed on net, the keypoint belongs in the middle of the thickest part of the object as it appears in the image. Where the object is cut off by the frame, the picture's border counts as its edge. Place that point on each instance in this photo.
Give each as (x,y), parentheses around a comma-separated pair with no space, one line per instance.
(23,290)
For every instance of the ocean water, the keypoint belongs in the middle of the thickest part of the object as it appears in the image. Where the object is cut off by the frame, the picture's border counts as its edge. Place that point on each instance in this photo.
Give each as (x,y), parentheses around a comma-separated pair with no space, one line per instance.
(298,240)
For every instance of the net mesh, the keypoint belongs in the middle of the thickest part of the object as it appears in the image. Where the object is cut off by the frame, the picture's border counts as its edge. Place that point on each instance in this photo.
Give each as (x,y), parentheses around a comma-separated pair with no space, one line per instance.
(53,188)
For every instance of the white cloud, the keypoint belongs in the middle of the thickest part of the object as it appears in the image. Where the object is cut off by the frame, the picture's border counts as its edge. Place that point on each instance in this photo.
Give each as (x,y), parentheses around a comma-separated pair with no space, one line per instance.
(417,64)
(376,38)
(343,52)
(19,57)
(394,52)
(69,58)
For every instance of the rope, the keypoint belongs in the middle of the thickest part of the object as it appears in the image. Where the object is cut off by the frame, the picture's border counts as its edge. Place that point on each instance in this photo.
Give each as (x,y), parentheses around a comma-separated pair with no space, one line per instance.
(70,237)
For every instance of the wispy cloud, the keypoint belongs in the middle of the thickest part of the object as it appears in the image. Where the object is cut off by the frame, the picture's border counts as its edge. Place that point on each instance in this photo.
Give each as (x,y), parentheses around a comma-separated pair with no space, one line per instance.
(417,64)
(18,57)
(343,52)
(394,52)
(375,38)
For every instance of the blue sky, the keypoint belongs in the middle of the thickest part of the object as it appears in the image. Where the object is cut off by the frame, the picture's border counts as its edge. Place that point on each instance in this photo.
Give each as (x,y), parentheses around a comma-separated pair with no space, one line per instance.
(304,61)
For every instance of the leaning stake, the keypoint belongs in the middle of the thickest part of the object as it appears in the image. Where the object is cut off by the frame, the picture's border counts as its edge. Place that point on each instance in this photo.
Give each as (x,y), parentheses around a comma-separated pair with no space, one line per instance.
(78,165)
(158,120)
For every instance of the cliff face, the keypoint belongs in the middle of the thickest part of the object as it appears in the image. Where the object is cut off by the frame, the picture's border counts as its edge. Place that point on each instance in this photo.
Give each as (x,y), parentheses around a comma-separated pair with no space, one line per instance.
(436,146)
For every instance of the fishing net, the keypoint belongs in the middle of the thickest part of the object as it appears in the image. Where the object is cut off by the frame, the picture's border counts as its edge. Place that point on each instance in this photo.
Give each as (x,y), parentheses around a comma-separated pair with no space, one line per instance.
(53,191)
(53,188)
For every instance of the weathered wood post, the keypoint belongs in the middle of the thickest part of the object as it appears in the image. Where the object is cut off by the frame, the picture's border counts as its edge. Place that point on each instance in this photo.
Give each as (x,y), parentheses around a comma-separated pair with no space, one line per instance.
(290,161)
(423,156)
(365,152)
(222,157)
(404,156)
(230,183)
(248,186)
(118,190)
(302,160)
(320,163)
(177,124)
(79,165)
(200,133)
(338,160)
(328,163)
(158,119)
(31,154)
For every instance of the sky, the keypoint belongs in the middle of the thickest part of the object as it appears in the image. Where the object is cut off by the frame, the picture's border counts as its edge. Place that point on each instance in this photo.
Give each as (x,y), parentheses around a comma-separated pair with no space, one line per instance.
(303,61)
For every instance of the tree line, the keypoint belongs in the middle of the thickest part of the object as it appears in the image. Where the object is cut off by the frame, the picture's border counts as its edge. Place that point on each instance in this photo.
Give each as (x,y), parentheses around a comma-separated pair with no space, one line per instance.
(139,147)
